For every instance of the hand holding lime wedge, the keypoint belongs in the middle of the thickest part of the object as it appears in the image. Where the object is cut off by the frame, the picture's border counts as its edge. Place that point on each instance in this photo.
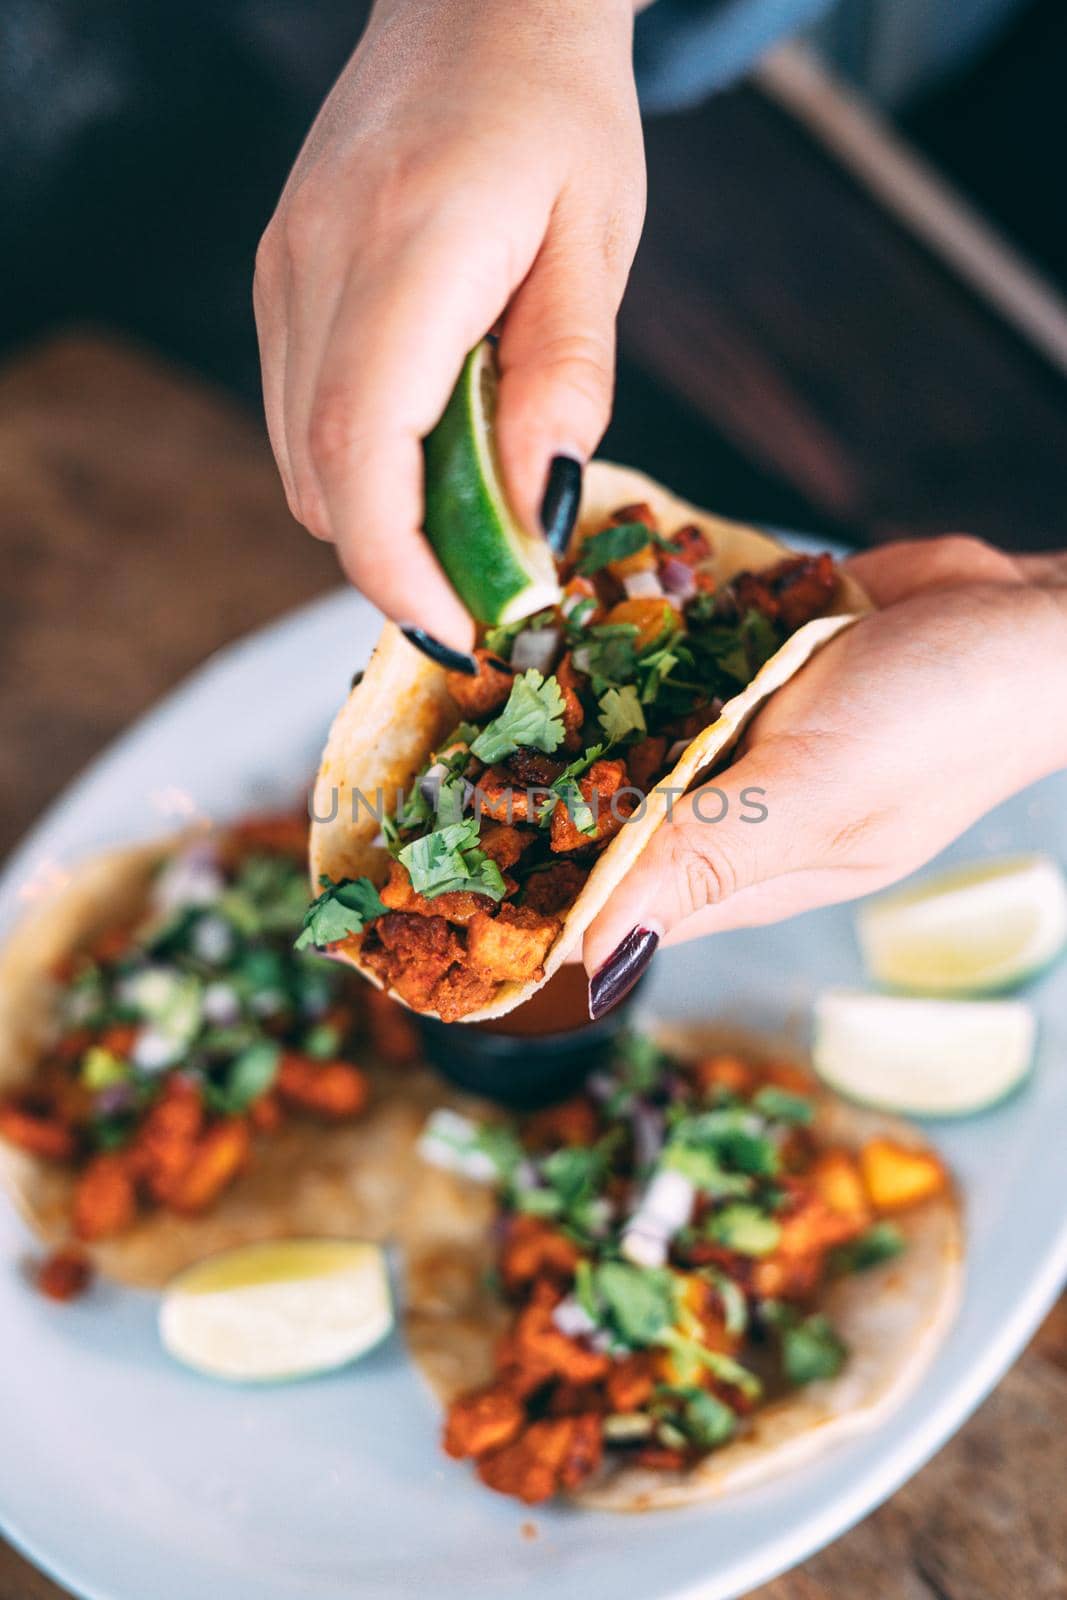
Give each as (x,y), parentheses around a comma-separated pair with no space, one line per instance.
(500,571)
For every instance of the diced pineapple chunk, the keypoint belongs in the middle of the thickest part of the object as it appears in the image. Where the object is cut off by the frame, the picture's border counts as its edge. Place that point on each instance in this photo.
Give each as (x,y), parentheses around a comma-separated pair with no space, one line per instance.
(836,1178)
(897,1177)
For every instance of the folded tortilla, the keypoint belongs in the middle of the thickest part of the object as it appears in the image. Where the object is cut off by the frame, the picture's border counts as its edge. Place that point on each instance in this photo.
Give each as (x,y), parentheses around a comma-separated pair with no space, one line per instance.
(891,1317)
(352,1181)
(393,719)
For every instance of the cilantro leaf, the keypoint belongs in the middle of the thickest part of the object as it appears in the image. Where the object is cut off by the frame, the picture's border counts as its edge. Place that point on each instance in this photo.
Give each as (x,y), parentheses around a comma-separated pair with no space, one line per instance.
(248,1076)
(612,544)
(621,713)
(449,859)
(705,1420)
(881,1242)
(779,1105)
(341,909)
(608,655)
(533,716)
(743,1228)
(704,1170)
(810,1349)
(639,1304)
(581,812)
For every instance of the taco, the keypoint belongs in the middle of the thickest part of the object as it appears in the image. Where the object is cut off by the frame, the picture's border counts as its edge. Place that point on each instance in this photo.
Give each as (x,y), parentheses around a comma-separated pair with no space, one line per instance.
(698,1273)
(467,830)
(175,1078)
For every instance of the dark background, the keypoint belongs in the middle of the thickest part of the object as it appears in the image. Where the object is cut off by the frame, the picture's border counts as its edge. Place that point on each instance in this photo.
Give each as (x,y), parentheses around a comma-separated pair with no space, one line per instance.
(812,383)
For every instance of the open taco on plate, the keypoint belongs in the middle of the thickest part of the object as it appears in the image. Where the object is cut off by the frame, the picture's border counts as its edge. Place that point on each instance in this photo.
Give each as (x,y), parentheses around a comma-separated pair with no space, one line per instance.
(701,1271)
(175,1078)
(468,829)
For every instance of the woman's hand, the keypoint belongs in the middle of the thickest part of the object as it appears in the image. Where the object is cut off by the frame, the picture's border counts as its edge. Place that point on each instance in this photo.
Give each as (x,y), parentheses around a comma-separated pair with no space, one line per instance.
(892,740)
(477,159)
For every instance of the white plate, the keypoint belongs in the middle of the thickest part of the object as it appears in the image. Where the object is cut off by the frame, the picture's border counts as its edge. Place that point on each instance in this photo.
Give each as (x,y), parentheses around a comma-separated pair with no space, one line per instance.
(128,1477)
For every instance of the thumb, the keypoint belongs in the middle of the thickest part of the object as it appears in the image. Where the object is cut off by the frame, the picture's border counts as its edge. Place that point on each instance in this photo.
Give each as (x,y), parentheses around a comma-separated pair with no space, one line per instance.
(557,367)
(706,861)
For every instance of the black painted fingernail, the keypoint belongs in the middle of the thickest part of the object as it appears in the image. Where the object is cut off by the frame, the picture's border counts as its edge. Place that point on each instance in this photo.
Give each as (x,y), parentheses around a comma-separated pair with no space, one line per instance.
(454,660)
(621,970)
(559,508)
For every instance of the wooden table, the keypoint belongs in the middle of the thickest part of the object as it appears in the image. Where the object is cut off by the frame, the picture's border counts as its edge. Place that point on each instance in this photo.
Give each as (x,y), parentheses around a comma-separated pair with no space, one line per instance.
(141,527)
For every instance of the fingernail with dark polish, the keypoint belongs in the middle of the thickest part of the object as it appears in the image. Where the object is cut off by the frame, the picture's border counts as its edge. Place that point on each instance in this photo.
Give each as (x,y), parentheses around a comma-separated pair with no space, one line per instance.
(621,970)
(453,660)
(559,508)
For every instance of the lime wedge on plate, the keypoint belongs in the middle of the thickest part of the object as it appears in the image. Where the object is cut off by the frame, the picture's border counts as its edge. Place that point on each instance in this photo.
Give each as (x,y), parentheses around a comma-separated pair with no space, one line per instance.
(499,571)
(978,928)
(281,1309)
(919,1057)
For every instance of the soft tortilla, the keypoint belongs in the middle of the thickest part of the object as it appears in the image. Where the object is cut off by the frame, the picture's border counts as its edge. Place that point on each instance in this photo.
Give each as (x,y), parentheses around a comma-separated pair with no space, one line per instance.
(391,721)
(892,1318)
(354,1180)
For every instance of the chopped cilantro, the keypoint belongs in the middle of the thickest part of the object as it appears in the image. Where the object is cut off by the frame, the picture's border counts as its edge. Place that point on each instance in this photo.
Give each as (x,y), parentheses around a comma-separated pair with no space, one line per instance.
(810,1348)
(581,812)
(881,1242)
(341,909)
(533,716)
(778,1105)
(744,1228)
(448,860)
(639,1304)
(705,1420)
(502,1147)
(499,640)
(612,544)
(704,1170)
(248,1077)
(621,714)
(322,1042)
(609,655)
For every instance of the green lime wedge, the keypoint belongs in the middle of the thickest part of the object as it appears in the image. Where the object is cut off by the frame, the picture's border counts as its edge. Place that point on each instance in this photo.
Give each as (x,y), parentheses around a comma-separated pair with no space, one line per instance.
(278,1309)
(922,1057)
(976,929)
(499,571)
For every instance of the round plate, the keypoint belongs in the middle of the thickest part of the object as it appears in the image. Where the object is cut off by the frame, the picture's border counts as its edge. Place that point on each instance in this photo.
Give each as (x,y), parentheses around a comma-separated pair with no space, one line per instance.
(126,1476)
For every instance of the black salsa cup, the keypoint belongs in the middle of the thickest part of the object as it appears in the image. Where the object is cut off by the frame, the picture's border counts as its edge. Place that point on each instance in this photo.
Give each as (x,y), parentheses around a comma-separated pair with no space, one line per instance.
(538,1054)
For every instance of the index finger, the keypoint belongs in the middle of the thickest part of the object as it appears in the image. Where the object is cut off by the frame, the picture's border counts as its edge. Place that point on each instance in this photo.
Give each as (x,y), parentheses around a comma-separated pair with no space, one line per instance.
(395,350)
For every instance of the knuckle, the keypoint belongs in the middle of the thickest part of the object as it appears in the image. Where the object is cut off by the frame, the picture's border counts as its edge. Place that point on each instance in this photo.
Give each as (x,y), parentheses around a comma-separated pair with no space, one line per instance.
(965,553)
(584,364)
(701,874)
(302,225)
(332,431)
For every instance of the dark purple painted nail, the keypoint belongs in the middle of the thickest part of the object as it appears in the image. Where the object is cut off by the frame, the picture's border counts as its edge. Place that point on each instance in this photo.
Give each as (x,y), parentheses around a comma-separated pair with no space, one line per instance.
(443,654)
(621,970)
(559,508)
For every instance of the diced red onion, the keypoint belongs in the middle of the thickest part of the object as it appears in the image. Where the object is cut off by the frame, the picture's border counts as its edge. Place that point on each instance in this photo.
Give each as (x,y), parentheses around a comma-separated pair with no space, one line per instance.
(581,658)
(666,1206)
(642,586)
(117,1097)
(535,648)
(678,580)
(571,1318)
(220,1004)
(430,782)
